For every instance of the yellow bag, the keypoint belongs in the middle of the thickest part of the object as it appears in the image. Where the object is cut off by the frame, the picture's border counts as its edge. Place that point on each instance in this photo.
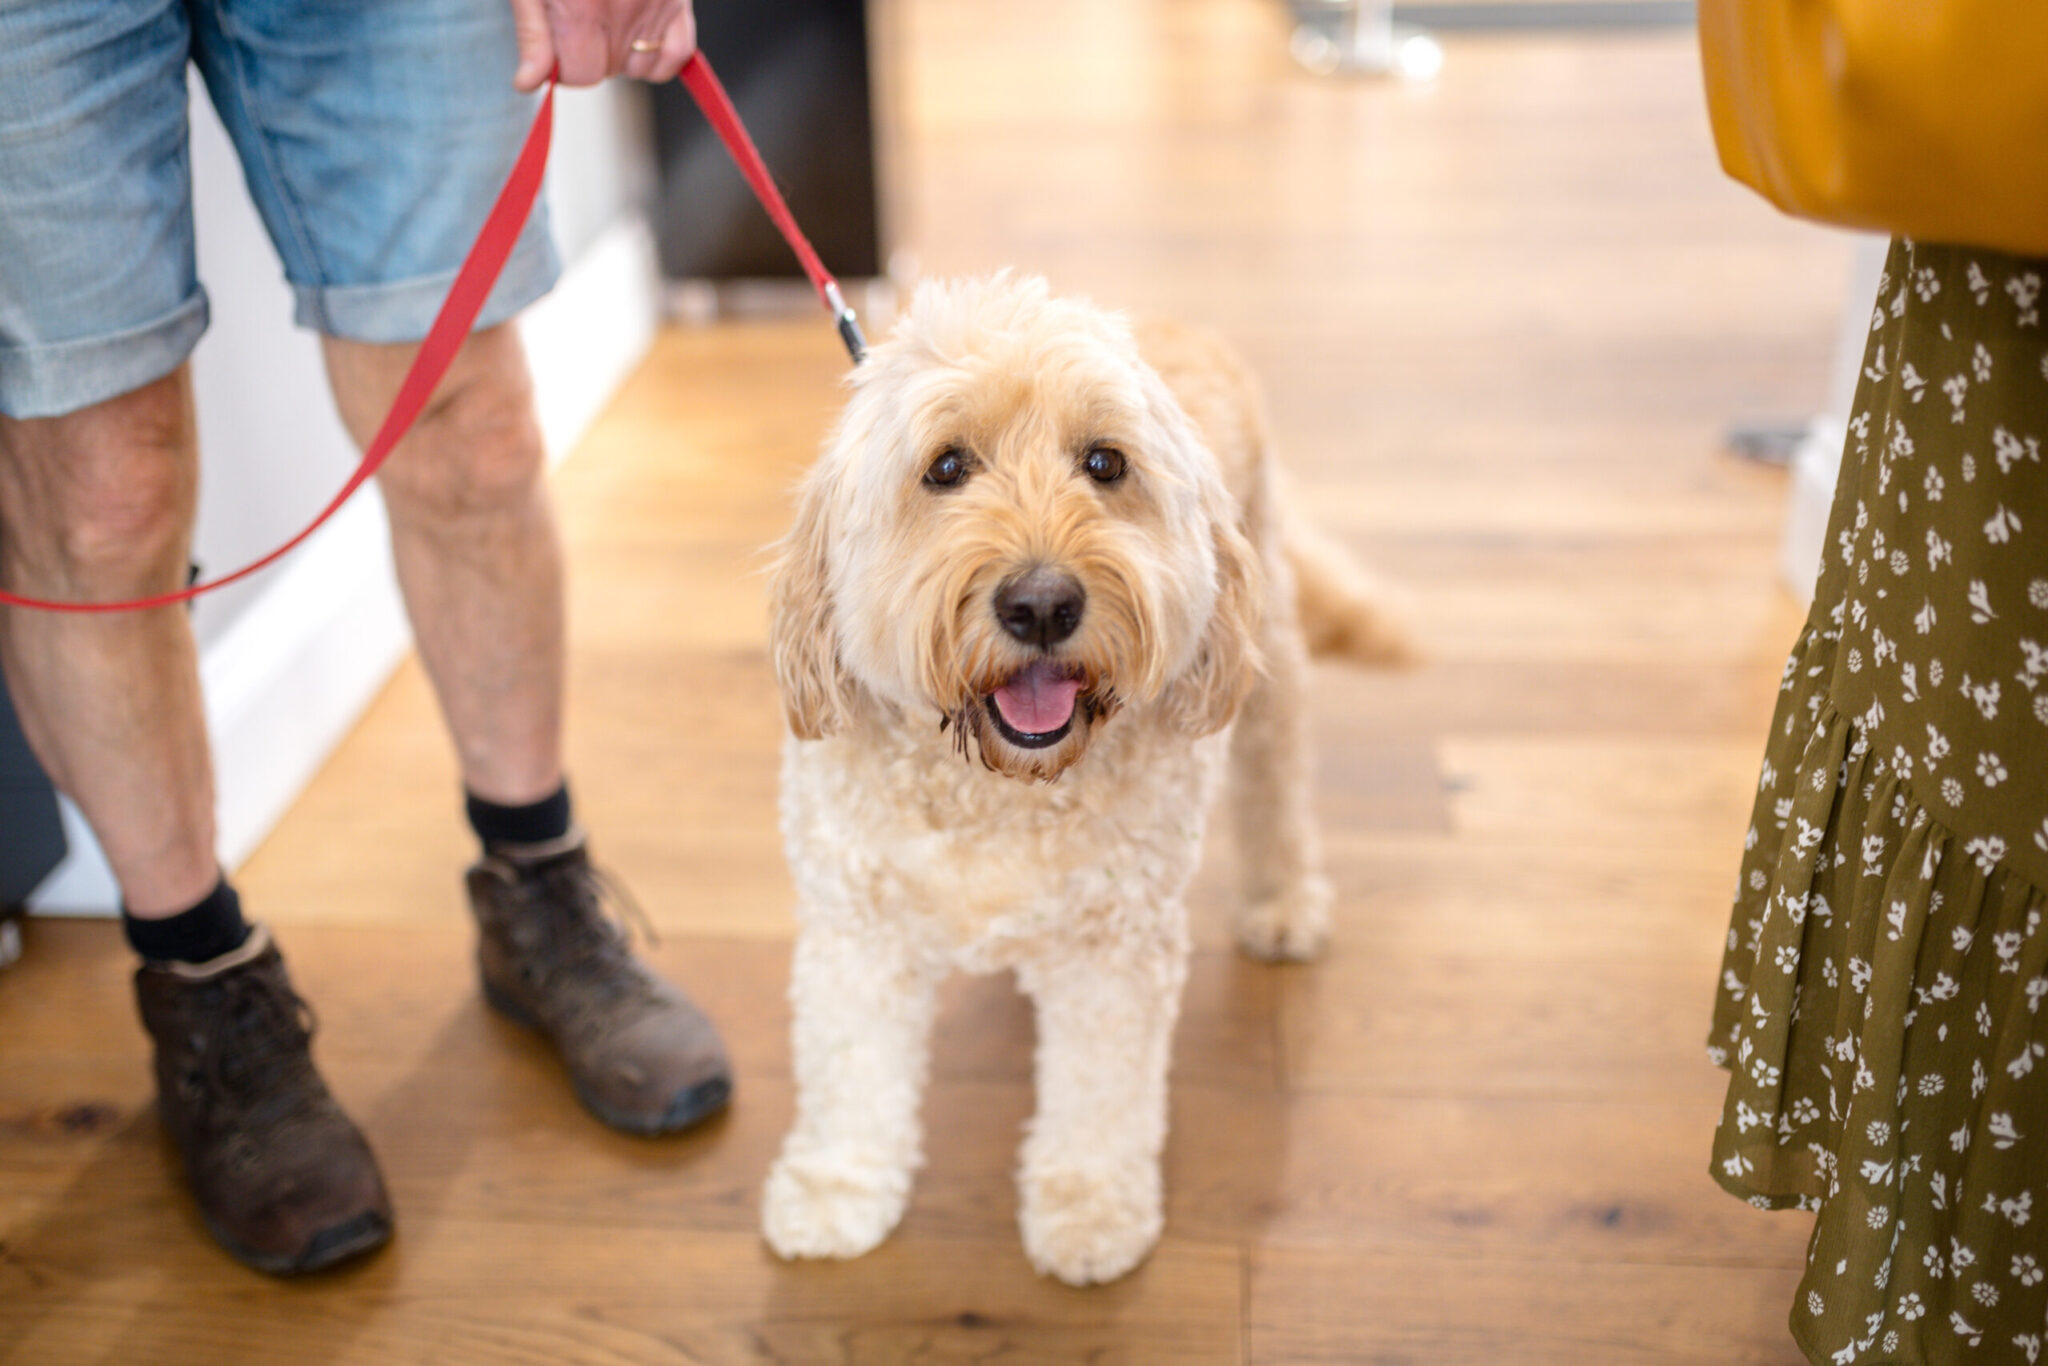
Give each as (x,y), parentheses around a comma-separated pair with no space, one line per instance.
(1923,118)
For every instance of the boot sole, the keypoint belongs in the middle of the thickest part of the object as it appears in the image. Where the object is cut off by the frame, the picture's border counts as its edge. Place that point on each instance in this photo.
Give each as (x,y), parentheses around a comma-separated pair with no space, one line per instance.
(691,1108)
(330,1247)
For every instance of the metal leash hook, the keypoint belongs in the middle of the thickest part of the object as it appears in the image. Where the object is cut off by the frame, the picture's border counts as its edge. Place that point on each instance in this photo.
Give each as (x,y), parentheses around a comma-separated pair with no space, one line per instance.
(848,325)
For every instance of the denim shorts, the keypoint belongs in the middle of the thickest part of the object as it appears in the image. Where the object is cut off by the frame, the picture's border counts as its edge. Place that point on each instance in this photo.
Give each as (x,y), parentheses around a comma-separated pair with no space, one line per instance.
(374,135)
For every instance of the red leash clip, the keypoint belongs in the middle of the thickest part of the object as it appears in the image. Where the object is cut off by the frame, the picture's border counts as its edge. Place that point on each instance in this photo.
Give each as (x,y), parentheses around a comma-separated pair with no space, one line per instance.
(480,270)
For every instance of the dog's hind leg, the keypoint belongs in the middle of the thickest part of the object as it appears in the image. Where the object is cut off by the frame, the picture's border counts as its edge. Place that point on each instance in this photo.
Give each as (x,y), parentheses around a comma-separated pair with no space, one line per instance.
(862,1007)
(1286,908)
(1090,1205)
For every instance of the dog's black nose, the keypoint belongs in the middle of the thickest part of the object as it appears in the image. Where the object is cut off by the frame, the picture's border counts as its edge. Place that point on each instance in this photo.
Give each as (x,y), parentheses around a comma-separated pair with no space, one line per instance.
(1040,607)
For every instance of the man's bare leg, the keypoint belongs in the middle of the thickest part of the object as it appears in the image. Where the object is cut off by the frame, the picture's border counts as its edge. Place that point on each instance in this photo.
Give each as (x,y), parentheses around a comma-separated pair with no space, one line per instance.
(476,550)
(97,505)
(482,572)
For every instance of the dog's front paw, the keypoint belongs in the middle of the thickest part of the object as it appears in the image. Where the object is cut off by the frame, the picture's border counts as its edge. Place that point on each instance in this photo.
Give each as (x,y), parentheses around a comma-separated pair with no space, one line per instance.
(1089,1226)
(827,1204)
(1289,927)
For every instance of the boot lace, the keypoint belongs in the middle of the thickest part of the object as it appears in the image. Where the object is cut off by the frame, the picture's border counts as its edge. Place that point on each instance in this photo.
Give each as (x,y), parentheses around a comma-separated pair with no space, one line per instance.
(586,923)
(252,1053)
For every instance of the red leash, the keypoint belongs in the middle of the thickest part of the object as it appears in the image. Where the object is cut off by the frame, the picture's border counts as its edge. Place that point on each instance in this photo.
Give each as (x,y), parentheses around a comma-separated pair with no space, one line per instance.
(702,83)
(472,286)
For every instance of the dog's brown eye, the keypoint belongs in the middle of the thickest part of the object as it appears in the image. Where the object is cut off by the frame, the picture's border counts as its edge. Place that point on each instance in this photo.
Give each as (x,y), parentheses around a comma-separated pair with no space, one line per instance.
(949,469)
(1105,464)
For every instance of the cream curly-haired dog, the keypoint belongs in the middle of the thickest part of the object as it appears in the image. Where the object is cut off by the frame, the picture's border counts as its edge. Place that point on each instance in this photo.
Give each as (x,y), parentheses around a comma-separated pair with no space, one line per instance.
(1035,576)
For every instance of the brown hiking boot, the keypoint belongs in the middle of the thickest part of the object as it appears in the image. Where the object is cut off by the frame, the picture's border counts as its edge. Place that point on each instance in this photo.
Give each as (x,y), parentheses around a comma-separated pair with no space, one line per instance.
(642,1057)
(284,1180)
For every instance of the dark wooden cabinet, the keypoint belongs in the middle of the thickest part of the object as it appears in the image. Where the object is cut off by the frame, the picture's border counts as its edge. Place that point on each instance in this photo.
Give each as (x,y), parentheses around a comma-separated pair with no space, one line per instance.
(797,71)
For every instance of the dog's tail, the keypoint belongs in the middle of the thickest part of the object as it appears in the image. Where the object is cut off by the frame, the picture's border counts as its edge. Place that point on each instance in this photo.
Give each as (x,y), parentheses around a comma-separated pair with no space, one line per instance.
(1347,612)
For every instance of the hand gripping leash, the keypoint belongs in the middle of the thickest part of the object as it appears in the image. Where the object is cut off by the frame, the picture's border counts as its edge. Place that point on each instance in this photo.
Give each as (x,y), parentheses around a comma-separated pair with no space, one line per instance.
(472,286)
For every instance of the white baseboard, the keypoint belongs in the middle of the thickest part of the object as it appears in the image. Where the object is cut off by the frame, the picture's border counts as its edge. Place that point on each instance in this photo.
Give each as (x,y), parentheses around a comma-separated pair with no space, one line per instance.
(288,678)
(589,334)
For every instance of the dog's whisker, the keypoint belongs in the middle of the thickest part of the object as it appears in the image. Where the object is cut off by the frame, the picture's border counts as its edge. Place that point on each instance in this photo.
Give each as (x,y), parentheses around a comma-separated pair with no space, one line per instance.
(959,720)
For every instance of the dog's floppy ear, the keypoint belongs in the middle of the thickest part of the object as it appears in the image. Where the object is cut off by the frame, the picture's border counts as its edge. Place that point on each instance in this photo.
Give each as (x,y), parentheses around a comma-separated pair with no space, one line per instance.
(1205,698)
(802,640)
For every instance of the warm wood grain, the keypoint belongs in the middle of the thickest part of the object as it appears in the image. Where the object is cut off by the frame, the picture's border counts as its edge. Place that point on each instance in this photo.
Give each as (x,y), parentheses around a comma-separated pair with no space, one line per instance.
(498,1291)
(1501,323)
(1341,1306)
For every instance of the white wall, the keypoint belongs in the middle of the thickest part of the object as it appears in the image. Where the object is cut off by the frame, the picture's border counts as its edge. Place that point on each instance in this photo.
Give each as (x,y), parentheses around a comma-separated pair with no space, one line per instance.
(289,659)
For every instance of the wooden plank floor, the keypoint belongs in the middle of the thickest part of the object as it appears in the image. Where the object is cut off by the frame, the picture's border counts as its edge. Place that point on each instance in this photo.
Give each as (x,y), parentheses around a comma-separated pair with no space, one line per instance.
(1502,322)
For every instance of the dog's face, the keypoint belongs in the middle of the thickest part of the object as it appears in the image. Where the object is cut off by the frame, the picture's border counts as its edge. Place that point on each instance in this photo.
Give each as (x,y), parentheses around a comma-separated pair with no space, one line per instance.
(1016,530)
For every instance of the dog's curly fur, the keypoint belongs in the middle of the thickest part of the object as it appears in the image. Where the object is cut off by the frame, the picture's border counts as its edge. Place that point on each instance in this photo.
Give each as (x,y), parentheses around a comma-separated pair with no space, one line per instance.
(926,833)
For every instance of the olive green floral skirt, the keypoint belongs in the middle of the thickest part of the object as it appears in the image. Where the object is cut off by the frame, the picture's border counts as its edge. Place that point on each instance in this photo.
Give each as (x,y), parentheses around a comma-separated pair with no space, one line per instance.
(1883,1007)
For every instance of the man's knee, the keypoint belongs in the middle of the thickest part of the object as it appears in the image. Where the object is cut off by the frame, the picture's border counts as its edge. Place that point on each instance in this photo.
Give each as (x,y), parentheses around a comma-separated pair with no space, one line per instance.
(476,449)
(102,498)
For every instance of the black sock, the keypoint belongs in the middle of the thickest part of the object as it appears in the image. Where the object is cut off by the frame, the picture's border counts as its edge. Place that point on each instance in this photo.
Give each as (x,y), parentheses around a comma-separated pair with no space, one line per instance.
(535,823)
(205,932)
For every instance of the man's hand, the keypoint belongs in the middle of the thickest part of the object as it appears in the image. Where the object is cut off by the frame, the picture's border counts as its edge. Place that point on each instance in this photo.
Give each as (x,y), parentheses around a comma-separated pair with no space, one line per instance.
(593,39)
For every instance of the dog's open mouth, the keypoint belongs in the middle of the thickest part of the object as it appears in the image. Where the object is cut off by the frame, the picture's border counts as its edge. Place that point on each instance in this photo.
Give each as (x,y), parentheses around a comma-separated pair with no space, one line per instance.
(1036,707)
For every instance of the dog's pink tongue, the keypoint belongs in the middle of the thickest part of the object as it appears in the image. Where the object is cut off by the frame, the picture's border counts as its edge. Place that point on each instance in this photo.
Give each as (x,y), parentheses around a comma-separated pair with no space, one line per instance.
(1038,700)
